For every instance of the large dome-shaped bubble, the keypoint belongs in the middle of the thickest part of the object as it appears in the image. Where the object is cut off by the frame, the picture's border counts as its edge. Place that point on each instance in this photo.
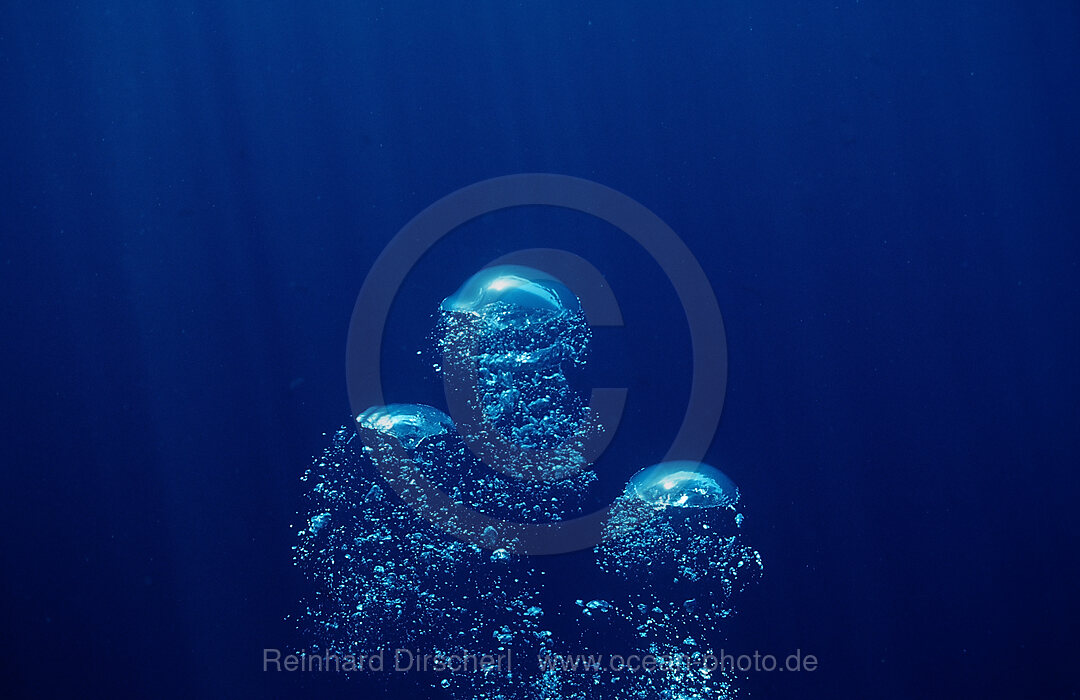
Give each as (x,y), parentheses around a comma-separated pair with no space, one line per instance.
(514,285)
(407,423)
(684,484)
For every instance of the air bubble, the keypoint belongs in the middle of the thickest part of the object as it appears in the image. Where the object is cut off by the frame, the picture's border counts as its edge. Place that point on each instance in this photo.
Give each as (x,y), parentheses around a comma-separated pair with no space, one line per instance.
(407,424)
(513,286)
(684,484)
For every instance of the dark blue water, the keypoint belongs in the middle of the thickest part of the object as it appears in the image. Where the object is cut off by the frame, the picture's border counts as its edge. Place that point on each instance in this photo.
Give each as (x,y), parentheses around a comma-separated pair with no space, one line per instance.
(882,194)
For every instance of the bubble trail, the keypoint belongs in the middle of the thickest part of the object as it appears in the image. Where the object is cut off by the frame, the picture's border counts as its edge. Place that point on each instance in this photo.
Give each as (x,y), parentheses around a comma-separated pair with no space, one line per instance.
(383,578)
(675,532)
(509,337)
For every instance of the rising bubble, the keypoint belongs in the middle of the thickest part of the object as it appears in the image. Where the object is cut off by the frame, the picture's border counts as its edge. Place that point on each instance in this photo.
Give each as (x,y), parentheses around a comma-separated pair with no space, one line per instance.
(684,484)
(407,424)
(512,285)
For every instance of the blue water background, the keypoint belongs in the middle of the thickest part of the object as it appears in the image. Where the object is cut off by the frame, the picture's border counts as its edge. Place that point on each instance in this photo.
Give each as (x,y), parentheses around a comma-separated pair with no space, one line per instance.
(884,196)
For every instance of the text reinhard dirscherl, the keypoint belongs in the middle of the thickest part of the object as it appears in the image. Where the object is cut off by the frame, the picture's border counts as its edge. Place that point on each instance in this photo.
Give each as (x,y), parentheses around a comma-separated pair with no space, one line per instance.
(405,660)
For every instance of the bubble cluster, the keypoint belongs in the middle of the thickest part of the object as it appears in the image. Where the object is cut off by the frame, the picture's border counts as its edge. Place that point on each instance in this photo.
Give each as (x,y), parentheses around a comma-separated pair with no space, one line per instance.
(419,452)
(383,578)
(410,536)
(677,522)
(509,339)
(675,532)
